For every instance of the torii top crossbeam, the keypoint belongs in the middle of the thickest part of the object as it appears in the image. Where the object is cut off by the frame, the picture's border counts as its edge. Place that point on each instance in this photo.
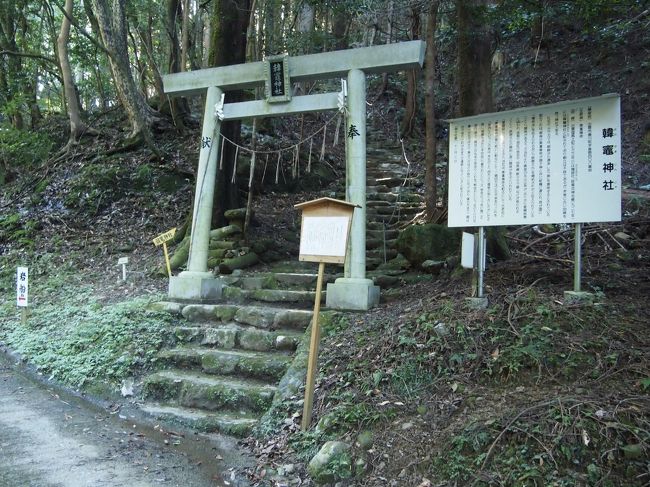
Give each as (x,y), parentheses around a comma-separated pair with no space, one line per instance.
(354,291)
(328,65)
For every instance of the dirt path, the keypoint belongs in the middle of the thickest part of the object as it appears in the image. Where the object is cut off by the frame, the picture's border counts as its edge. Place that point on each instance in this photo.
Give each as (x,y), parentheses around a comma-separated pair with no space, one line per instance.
(47,440)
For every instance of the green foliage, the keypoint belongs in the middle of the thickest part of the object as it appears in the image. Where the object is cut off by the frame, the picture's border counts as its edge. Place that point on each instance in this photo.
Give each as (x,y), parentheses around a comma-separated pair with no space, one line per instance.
(611,19)
(562,442)
(15,229)
(21,149)
(78,341)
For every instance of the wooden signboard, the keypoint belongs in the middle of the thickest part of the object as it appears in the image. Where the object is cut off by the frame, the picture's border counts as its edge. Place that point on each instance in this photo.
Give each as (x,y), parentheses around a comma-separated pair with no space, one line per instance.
(324,235)
(325,230)
(162,239)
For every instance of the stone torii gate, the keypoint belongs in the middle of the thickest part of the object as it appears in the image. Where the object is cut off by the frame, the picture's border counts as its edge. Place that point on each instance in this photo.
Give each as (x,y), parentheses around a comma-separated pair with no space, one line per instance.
(354,291)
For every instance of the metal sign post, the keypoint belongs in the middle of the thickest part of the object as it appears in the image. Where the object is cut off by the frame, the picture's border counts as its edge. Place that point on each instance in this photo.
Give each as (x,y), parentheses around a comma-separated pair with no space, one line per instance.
(481,260)
(577,258)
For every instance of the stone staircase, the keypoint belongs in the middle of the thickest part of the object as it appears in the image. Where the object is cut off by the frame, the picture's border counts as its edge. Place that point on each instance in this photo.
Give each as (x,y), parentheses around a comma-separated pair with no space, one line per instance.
(227,359)
(393,198)
(223,371)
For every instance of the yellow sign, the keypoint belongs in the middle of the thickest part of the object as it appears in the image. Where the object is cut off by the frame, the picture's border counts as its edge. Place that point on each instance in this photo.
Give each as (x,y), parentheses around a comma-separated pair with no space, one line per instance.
(164,237)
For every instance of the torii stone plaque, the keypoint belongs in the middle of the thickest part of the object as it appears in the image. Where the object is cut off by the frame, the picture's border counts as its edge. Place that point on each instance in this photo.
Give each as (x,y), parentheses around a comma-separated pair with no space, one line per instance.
(354,291)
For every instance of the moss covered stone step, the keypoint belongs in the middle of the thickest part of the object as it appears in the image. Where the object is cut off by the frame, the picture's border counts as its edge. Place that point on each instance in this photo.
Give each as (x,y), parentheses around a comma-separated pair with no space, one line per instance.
(373,262)
(279,280)
(378,243)
(374,203)
(230,336)
(376,155)
(397,181)
(395,210)
(202,391)
(271,295)
(376,188)
(258,316)
(230,423)
(397,197)
(379,253)
(258,365)
(379,233)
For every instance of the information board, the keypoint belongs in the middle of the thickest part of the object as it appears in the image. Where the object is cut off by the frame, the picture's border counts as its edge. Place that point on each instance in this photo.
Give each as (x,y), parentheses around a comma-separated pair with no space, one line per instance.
(324,238)
(558,163)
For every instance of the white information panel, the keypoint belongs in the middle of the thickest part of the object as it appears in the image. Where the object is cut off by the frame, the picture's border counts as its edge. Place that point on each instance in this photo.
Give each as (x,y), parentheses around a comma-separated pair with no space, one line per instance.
(558,163)
(467,251)
(324,236)
(22,286)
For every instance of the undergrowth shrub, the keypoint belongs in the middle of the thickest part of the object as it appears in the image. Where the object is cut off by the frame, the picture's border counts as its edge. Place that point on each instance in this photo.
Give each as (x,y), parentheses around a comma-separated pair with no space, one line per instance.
(21,149)
(77,340)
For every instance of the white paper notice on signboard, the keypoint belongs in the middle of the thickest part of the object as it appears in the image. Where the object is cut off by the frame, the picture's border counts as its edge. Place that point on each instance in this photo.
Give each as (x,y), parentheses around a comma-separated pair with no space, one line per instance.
(22,286)
(558,163)
(325,236)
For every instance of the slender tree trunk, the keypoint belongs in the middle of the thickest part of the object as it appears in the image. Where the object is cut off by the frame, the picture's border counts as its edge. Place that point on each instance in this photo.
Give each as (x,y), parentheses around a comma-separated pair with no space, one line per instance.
(178,106)
(410,108)
(147,45)
(430,180)
(78,126)
(111,20)
(229,22)
(271,41)
(475,83)
(185,35)
(340,28)
(474,58)
(13,64)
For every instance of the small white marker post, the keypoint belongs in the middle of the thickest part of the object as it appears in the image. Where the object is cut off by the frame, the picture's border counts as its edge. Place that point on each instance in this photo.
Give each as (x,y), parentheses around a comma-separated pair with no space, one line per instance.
(324,234)
(123,261)
(22,292)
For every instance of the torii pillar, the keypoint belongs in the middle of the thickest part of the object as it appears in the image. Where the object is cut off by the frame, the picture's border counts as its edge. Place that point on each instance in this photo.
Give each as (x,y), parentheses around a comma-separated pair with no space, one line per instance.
(353,291)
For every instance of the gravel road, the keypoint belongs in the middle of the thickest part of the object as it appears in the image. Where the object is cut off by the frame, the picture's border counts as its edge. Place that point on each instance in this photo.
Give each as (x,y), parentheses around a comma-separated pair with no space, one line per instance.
(48,439)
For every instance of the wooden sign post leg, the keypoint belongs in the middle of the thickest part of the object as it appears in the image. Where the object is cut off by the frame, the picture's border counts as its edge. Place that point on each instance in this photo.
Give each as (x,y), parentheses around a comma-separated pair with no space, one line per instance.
(23,316)
(312,366)
(169,269)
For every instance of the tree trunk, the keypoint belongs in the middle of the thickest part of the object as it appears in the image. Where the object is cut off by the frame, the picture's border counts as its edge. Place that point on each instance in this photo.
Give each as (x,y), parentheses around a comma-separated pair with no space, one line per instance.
(111,20)
(410,108)
(77,125)
(271,44)
(474,58)
(475,83)
(430,180)
(340,28)
(185,35)
(12,64)
(229,23)
(178,106)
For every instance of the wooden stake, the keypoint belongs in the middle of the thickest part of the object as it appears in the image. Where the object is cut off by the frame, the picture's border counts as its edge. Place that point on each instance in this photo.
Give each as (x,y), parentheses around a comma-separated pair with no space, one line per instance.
(169,268)
(23,316)
(312,366)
